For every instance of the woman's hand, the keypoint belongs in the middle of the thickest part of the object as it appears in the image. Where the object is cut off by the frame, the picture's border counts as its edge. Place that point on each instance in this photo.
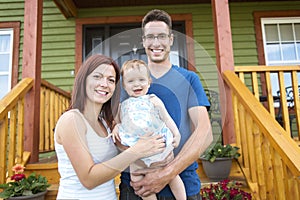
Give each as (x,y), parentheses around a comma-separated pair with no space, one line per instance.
(149,145)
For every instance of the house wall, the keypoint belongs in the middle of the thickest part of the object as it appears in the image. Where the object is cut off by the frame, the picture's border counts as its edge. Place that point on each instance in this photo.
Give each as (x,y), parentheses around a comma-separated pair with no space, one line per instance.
(243,32)
(58,49)
(13,11)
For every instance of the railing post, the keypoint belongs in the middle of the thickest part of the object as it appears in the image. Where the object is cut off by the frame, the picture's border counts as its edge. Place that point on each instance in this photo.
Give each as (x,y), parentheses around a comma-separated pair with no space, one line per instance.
(32,46)
(225,61)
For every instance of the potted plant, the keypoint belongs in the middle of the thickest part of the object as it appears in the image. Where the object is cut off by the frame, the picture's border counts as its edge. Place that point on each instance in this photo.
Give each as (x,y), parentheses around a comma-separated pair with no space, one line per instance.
(19,186)
(224,190)
(217,161)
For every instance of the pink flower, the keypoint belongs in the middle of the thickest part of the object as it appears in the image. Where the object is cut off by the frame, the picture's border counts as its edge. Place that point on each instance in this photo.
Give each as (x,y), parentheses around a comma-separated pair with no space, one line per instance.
(224,190)
(18,168)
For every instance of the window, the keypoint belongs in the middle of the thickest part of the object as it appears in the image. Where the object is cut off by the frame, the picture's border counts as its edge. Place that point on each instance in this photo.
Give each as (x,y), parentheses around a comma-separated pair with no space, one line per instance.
(9,55)
(6,53)
(281,42)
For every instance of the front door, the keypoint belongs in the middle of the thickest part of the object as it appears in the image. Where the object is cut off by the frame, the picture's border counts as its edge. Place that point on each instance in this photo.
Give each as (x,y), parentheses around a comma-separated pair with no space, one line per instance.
(124,42)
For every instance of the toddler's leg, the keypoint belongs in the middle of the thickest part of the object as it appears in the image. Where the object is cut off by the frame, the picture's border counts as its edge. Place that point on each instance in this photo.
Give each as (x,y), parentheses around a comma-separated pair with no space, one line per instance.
(134,167)
(177,188)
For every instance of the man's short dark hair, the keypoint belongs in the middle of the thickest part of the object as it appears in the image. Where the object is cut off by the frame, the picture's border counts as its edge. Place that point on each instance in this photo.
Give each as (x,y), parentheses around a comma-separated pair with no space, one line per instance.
(157,15)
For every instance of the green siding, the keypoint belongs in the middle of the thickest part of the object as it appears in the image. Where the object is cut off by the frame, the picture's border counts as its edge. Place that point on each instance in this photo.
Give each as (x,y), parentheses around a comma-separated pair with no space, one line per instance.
(58,48)
(243,30)
(12,11)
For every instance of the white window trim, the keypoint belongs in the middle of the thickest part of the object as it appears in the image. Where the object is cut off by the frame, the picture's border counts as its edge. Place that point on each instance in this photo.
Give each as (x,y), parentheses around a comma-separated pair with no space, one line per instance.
(9,72)
(276,20)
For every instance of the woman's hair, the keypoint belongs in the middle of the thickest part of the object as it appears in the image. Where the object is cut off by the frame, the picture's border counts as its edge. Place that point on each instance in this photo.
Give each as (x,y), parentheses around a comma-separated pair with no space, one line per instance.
(134,64)
(157,15)
(79,95)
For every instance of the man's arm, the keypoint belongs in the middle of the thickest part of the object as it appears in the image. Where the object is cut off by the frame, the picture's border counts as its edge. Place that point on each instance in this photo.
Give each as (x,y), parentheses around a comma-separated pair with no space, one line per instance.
(201,137)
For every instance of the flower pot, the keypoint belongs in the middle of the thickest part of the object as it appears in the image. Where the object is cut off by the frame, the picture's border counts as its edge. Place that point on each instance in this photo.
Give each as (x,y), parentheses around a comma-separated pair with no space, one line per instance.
(217,170)
(38,196)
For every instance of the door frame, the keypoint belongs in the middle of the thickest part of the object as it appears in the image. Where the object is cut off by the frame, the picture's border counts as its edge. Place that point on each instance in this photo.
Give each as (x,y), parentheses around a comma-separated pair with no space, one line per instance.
(187,18)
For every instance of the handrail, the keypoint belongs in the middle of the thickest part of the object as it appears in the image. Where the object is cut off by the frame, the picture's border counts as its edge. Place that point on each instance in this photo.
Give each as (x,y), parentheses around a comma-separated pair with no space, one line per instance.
(54,101)
(17,93)
(258,80)
(270,158)
(11,128)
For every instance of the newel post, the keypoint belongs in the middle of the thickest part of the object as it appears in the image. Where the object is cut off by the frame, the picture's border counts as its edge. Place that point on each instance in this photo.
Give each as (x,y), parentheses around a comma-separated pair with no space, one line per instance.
(225,61)
(32,47)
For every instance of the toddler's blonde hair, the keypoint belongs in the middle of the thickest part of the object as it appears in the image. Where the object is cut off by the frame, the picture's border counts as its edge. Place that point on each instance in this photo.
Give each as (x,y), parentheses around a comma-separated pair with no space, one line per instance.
(134,64)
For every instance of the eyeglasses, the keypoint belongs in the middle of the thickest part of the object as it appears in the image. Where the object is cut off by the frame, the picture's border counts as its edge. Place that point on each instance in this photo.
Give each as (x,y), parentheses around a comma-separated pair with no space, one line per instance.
(162,37)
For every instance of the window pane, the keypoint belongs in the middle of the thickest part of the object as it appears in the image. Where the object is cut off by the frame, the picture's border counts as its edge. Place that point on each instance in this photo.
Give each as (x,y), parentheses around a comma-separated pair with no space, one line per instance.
(298,50)
(174,57)
(286,32)
(273,52)
(3,86)
(4,64)
(271,32)
(5,43)
(297,31)
(288,51)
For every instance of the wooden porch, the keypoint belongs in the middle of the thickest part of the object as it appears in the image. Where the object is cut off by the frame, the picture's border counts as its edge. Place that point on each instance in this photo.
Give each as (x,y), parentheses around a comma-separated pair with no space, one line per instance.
(270,162)
(269,165)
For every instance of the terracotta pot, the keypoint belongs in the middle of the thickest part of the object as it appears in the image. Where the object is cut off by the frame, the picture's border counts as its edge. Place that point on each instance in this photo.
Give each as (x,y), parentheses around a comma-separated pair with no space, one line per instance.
(38,196)
(218,170)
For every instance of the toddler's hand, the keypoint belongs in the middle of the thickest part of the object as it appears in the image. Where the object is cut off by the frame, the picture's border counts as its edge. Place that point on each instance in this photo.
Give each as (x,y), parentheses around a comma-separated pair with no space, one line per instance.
(115,133)
(176,140)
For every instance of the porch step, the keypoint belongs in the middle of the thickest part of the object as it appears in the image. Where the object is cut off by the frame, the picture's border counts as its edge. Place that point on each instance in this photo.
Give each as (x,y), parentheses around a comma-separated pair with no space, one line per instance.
(47,166)
(52,192)
(49,170)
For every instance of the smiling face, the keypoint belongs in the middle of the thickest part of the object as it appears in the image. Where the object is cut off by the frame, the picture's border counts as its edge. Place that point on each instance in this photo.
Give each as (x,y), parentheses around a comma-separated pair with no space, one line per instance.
(157,47)
(101,84)
(136,81)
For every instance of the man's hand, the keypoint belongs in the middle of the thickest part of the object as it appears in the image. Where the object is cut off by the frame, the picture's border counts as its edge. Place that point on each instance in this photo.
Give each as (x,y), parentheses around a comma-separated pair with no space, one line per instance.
(153,182)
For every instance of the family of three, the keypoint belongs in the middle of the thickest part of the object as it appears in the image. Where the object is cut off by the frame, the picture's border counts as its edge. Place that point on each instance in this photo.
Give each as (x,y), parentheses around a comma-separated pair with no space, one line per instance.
(153,135)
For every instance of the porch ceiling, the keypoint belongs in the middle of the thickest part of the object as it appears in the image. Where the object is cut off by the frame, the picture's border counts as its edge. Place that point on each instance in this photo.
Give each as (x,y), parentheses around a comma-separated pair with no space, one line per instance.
(69,7)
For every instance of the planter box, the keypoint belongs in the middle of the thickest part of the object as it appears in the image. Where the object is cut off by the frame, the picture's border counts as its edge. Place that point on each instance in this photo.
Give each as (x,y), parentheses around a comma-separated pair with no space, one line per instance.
(218,170)
(38,196)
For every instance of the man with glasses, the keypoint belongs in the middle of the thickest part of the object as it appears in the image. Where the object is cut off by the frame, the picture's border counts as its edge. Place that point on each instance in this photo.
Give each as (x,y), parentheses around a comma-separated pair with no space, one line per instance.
(185,99)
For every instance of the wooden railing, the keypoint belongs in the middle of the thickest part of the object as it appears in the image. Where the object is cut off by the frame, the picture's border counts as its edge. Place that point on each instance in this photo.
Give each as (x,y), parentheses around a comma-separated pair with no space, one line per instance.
(258,80)
(269,157)
(11,128)
(54,102)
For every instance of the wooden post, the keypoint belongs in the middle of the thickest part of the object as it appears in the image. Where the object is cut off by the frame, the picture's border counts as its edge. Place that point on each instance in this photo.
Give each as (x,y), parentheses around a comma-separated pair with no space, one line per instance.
(225,61)
(32,47)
